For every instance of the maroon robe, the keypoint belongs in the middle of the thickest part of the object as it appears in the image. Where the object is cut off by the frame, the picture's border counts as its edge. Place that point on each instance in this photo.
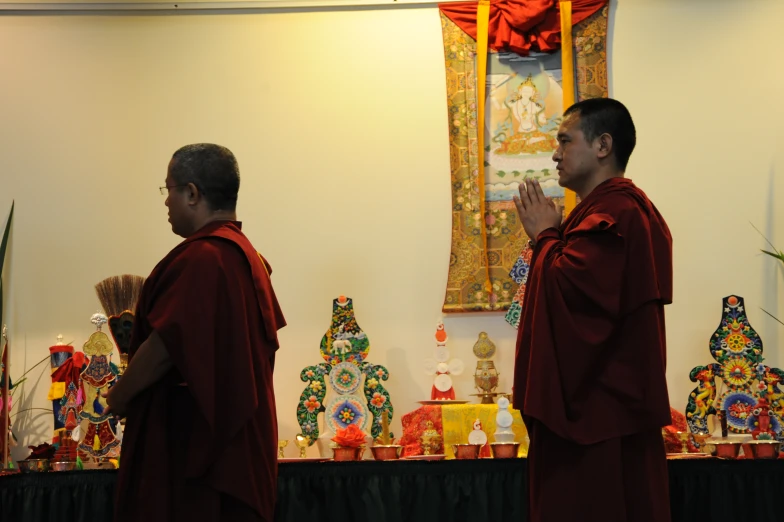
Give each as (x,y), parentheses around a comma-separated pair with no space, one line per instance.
(201,443)
(590,362)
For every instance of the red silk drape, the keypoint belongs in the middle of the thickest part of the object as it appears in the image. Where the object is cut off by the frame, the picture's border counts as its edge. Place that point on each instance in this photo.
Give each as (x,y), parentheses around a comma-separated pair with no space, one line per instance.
(521,26)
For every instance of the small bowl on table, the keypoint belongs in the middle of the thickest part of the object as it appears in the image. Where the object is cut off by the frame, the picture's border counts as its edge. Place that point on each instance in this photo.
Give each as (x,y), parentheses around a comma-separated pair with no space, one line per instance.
(63,465)
(761,449)
(345,454)
(386,451)
(33,465)
(724,449)
(504,450)
(466,451)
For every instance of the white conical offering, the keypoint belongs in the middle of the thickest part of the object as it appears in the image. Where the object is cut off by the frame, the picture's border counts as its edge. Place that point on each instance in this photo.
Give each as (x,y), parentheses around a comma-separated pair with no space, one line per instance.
(503,422)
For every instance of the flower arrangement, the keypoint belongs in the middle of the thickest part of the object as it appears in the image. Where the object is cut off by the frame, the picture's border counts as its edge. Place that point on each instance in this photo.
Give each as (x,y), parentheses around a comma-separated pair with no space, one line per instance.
(350,437)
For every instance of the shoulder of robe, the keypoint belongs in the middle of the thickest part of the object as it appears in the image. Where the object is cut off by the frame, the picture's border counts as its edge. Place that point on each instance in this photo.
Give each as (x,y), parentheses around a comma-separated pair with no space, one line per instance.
(616,211)
(206,252)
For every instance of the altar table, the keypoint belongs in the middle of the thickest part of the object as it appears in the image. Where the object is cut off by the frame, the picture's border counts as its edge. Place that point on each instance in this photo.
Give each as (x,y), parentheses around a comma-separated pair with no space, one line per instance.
(413,491)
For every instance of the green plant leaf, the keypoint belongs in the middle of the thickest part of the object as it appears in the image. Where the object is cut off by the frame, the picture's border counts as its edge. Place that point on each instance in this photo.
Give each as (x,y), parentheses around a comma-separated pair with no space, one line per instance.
(4,244)
(3,247)
(501,173)
(777,255)
(773,316)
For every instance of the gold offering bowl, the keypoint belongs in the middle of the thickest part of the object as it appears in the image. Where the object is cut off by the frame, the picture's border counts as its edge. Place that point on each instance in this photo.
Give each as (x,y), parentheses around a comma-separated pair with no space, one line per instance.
(302,443)
(683,436)
(700,439)
(466,451)
(281,445)
(341,454)
(504,450)
(761,449)
(386,451)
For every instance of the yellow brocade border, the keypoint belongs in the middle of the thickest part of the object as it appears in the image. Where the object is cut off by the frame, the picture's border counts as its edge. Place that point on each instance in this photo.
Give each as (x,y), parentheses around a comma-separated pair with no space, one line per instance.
(477,264)
(457,421)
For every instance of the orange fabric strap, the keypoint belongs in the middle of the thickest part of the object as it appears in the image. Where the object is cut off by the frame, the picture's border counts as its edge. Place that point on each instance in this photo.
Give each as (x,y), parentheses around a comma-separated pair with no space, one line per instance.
(567,68)
(482,23)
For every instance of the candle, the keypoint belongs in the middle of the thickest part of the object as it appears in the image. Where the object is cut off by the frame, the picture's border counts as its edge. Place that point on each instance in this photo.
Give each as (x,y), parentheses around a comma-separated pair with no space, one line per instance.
(723,419)
(385,427)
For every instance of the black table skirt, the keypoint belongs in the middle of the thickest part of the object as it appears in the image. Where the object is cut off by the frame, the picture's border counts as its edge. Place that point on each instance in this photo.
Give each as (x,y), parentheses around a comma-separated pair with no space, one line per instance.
(410,491)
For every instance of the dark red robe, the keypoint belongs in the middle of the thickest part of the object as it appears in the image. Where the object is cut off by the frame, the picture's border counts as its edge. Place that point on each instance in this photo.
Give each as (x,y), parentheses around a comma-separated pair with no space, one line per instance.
(590,362)
(201,443)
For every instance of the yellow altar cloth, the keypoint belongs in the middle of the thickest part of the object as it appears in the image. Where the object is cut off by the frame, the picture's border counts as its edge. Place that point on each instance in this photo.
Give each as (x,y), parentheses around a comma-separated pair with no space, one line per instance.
(454,422)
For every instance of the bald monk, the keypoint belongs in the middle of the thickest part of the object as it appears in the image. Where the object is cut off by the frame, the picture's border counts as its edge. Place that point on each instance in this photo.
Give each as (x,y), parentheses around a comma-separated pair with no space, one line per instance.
(591,354)
(201,432)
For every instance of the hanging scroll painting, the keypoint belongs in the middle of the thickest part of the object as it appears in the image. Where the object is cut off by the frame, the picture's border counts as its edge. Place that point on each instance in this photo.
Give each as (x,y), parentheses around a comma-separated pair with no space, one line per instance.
(523,109)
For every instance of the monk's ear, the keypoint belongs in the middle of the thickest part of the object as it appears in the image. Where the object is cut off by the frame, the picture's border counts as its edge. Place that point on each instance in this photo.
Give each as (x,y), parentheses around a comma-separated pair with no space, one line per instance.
(194,194)
(604,146)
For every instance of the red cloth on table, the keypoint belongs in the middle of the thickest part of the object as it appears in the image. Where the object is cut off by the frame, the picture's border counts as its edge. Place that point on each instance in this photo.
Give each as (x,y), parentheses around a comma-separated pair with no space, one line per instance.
(591,349)
(671,441)
(205,450)
(414,423)
(520,26)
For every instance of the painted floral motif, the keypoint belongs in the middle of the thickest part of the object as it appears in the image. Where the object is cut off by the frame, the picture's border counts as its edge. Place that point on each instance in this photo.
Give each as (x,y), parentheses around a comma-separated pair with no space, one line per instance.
(311,401)
(752,388)
(377,396)
(345,378)
(378,400)
(344,347)
(344,411)
(311,404)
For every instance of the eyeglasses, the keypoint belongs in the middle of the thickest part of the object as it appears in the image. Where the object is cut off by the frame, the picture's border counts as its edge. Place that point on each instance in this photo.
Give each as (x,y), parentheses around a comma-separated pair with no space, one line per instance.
(166,188)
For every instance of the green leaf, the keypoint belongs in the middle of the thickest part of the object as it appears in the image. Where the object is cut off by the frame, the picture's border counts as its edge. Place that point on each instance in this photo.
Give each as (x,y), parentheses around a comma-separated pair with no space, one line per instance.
(777,255)
(3,247)
(4,244)
(516,173)
(501,173)
(773,316)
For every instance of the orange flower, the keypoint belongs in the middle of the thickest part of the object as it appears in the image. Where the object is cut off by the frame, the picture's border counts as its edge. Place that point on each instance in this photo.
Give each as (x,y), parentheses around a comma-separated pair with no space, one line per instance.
(312,404)
(378,400)
(351,437)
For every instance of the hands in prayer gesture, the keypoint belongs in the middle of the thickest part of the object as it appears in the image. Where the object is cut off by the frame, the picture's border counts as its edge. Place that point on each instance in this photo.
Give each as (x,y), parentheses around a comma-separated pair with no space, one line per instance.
(536,211)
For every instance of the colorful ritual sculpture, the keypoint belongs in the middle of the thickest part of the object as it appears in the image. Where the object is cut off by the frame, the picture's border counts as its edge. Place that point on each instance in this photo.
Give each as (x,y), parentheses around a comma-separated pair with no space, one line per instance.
(345,348)
(442,366)
(66,396)
(751,398)
(97,426)
(59,354)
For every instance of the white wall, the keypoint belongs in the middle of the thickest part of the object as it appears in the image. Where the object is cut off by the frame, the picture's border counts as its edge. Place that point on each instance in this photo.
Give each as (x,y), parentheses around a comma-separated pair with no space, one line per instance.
(338,121)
